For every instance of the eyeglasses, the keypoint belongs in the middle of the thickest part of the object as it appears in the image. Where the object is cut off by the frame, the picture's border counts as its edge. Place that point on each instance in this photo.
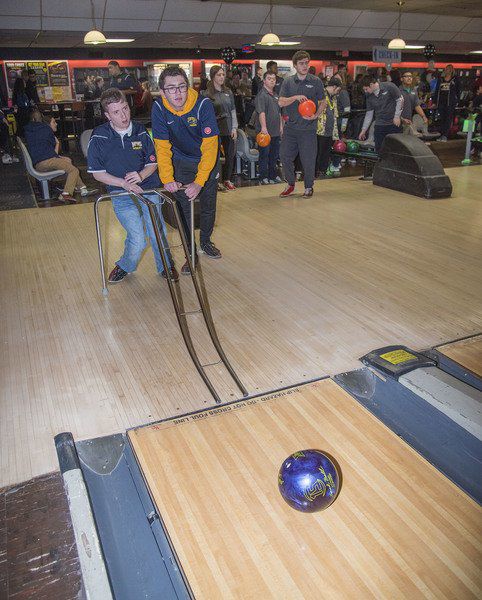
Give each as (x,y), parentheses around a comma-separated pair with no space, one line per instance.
(178,88)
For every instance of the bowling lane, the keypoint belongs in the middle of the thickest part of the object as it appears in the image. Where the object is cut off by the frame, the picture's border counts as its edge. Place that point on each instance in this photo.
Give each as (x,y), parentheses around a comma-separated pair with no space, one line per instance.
(398,528)
(468,353)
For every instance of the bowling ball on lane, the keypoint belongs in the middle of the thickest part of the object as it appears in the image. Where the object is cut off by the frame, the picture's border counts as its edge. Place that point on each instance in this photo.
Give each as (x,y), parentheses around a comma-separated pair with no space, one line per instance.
(307,108)
(263,139)
(339,146)
(353,147)
(308,480)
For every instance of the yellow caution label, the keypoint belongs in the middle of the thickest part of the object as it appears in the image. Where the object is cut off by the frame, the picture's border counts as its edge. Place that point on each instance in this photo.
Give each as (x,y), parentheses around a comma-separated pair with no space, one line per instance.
(397,356)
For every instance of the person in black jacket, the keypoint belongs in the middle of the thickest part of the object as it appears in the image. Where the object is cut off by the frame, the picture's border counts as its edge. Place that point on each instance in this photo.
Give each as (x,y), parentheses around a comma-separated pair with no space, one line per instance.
(446,96)
(22,103)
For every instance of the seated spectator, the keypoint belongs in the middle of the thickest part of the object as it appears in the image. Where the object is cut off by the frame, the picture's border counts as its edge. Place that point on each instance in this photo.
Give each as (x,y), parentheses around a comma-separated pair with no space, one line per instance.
(7,158)
(89,87)
(43,148)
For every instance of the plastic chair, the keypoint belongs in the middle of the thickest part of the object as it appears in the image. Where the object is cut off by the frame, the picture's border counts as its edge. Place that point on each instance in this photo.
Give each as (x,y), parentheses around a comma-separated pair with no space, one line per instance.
(42,177)
(84,141)
(246,154)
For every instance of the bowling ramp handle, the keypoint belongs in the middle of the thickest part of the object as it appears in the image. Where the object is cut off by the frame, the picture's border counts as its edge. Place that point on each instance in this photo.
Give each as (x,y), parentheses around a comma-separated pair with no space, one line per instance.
(174,290)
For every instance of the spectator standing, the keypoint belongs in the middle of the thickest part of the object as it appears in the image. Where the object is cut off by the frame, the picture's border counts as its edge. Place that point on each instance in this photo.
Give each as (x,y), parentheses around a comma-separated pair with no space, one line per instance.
(327,127)
(272,67)
(21,101)
(257,83)
(446,96)
(268,121)
(225,111)
(121,155)
(299,135)
(31,87)
(122,80)
(384,102)
(7,158)
(411,102)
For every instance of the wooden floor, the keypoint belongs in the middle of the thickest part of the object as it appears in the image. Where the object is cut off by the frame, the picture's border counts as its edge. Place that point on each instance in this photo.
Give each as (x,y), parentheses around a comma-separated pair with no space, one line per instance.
(398,529)
(304,289)
(467,353)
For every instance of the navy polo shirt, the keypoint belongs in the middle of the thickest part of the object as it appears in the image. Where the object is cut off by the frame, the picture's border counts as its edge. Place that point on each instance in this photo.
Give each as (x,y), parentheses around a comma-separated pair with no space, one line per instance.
(40,141)
(123,81)
(185,131)
(109,152)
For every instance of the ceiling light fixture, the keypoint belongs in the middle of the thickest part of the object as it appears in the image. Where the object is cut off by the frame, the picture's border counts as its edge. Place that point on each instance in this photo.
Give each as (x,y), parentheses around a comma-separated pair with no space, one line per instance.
(119,40)
(476,52)
(410,47)
(94,36)
(397,43)
(271,39)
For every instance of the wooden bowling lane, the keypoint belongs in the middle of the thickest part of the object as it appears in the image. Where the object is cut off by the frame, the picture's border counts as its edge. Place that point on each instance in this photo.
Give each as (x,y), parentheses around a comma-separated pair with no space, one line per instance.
(467,353)
(398,528)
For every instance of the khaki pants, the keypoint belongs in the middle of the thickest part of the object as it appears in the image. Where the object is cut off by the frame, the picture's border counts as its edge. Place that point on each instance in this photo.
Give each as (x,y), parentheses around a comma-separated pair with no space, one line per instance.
(65,164)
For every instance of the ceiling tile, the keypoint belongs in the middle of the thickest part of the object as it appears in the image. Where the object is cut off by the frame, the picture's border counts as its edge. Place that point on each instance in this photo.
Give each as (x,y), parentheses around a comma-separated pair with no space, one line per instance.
(405,34)
(333,17)
(464,36)
(433,36)
(177,10)
(450,23)
(130,25)
(141,9)
(359,32)
(322,31)
(16,8)
(376,20)
(240,28)
(416,21)
(474,26)
(283,29)
(65,24)
(292,14)
(185,26)
(20,22)
(240,13)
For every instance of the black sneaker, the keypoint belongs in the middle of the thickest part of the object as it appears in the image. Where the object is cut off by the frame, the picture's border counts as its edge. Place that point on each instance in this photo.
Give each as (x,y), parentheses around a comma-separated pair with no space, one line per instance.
(117,274)
(173,274)
(185,268)
(210,250)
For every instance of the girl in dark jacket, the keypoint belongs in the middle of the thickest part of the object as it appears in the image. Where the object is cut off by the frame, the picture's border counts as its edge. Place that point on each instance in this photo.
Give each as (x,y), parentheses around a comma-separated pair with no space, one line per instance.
(446,96)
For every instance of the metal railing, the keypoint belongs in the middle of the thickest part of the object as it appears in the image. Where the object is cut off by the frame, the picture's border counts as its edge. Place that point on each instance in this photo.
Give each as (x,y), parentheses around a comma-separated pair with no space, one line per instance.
(175,290)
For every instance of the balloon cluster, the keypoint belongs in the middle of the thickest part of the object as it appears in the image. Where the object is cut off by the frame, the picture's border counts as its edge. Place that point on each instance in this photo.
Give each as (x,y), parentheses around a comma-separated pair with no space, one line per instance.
(429,51)
(228,54)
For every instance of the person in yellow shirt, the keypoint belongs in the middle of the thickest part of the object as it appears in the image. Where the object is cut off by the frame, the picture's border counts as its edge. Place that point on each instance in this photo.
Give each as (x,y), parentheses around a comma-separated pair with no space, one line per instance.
(186,138)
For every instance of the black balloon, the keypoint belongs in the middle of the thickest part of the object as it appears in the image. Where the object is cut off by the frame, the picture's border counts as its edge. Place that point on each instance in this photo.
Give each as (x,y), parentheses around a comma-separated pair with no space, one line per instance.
(228,54)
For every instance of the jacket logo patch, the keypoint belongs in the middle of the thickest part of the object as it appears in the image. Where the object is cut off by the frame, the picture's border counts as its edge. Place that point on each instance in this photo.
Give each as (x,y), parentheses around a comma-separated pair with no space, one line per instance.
(136,145)
(207,130)
(192,121)
(152,158)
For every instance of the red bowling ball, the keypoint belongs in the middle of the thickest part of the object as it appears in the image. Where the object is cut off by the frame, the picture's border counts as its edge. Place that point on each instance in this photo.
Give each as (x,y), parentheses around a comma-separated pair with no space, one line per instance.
(339,146)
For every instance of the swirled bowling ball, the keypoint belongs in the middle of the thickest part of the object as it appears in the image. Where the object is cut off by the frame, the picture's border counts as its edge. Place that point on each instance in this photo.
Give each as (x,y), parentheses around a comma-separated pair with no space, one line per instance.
(263,139)
(307,108)
(339,146)
(308,480)
(353,147)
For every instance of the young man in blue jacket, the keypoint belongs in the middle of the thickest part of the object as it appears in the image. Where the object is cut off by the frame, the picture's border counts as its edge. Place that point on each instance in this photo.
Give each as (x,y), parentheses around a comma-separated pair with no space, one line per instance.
(186,137)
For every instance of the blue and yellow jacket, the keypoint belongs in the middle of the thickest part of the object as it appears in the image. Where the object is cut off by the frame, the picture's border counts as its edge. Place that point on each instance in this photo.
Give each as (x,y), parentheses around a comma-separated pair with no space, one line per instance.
(190,134)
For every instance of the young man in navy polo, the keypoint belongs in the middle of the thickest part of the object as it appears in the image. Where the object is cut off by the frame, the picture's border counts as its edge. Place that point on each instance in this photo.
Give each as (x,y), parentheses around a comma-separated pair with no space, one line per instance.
(185,134)
(121,155)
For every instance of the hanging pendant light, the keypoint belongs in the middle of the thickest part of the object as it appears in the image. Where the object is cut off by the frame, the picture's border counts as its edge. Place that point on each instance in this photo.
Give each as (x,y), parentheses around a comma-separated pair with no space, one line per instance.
(397,43)
(94,36)
(271,39)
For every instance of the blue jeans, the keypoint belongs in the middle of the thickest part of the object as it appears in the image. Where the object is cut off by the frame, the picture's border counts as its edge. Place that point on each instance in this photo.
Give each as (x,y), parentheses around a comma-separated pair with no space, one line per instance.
(268,157)
(136,223)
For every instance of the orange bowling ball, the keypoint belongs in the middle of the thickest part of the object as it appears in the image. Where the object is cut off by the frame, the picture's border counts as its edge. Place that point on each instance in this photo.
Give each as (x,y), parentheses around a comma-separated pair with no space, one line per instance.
(307,108)
(263,139)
